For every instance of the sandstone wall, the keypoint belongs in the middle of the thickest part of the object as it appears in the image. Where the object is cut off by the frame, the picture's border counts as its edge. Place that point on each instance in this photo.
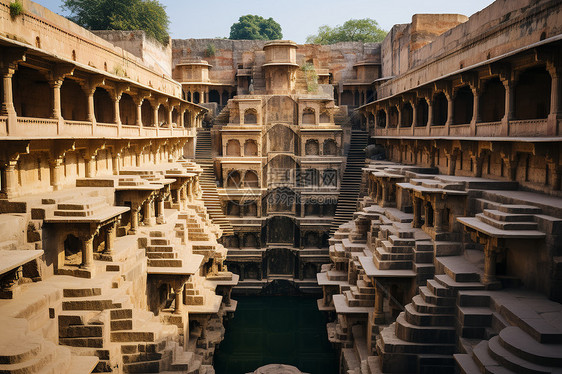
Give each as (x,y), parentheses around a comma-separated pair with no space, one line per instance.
(41,29)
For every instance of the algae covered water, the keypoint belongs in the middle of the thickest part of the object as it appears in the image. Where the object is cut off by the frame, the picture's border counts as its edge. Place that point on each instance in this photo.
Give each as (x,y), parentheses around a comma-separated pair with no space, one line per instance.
(276,330)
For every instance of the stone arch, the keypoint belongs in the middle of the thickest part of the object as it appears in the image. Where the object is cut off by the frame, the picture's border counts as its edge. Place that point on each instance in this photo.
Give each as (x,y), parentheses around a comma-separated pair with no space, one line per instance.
(233,179)
(308,116)
(187,119)
(127,110)
(381,119)
(250,116)
(325,117)
(422,112)
(407,114)
(103,106)
(532,94)
(440,110)
(32,94)
(175,115)
(147,113)
(492,101)
(463,103)
(250,148)
(393,116)
(74,102)
(214,97)
(312,148)
(162,115)
(371,120)
(196,97)
(251,179)
(233,147)
(330,147)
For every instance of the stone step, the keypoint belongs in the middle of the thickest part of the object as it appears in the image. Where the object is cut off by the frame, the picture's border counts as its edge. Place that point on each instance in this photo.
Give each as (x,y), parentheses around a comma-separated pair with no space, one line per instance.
(161,255)
(508,217)
(424,334)
(444,248)
(524,346)
(503,225)
(454,287)
(511,361)
(466,364)
(474,316)
(427,319)
(519,209)
(458,268)
(421,306)
(81,331)
(171,263)
(430,298)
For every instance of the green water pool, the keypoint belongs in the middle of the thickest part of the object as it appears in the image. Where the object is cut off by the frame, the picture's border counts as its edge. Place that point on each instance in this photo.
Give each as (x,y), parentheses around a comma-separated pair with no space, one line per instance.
(276,329)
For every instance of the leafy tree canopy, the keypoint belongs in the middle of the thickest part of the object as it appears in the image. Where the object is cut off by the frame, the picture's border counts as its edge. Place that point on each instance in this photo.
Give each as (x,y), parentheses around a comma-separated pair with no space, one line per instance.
(255,28)
(355,30)
(147,15)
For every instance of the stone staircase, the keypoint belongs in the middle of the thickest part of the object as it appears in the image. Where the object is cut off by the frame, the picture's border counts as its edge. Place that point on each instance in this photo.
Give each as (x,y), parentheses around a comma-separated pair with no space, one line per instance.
(208,183)
(351,180)
(528,341)
(24,351)
(102,321)
(424,335)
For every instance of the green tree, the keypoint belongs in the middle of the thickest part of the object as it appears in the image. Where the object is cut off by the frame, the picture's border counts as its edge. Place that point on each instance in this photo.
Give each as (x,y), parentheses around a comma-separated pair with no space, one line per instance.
(355,30)
(147,15)
(255,28)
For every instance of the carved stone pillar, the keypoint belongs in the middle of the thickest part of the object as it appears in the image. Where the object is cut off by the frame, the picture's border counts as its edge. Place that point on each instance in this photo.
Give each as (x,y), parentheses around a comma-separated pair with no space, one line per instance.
(438,218)
(160,219)
(56,168)
(88,251)
(8,108)
(379,306)
(489,276)
(134,220)
(148,213)
(56,86)
(416,203)
(110,238)
(178,298)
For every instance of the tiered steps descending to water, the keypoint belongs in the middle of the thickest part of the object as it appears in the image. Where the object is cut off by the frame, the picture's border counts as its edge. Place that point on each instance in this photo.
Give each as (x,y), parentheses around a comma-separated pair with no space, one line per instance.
(351,180)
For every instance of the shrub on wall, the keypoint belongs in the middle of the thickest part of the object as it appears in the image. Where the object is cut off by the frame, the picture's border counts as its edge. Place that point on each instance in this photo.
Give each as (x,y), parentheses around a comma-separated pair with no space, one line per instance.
(16,8)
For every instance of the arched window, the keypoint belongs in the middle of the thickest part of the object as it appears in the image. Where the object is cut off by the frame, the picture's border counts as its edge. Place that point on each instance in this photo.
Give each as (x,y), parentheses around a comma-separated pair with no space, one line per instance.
(250,148)
(103,106)
(311,147)
(330,147)
(393,117)
(440,109)
(233,148)
(146,111)
(381,119)
(422,112)
(407,115)
(233,179)
(325,117)
(250,117)
(492,101)
(308,116)
(463,103)
(532,94)
(251,179)
(127,110)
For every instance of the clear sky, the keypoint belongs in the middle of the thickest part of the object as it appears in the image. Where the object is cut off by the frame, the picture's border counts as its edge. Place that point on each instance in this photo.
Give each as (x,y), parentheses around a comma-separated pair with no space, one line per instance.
(298,18)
